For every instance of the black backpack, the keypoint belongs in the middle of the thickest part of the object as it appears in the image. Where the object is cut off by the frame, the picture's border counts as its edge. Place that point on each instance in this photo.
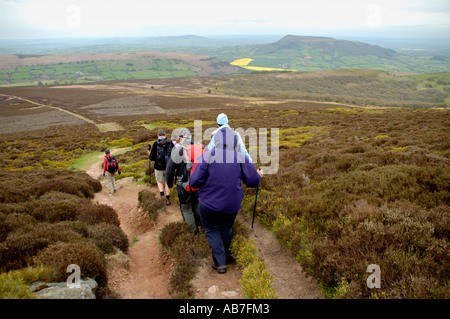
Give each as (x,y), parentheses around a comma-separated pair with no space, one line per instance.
(164,147)
(112,165)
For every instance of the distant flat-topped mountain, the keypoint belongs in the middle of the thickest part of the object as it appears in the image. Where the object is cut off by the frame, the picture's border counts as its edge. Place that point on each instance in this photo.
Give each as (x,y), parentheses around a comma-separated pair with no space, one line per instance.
(328,46)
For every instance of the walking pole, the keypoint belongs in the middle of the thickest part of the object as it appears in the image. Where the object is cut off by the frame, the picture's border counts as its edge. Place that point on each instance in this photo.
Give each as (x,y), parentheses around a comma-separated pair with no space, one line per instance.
(254,207)
(150,174)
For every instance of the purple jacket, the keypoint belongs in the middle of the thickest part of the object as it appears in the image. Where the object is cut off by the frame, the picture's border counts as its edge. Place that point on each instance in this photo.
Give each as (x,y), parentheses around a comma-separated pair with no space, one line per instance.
(219,173)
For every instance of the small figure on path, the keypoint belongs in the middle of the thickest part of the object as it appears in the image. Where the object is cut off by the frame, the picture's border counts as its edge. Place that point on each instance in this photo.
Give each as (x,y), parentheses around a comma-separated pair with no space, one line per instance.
(110,167)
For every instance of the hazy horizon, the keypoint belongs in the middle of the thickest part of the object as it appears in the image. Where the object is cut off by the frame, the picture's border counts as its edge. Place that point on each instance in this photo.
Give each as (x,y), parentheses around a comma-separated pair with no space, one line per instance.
(49,19)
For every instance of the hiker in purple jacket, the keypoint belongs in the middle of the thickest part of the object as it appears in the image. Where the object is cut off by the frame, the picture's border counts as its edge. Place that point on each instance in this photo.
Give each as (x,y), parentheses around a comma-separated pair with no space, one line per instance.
(218,176)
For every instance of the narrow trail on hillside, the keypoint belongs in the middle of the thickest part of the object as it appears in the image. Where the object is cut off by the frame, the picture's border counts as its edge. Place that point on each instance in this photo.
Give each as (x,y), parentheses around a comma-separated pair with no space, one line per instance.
(150,267)
(289,279)
(149,271)
(102,127)
(39,105)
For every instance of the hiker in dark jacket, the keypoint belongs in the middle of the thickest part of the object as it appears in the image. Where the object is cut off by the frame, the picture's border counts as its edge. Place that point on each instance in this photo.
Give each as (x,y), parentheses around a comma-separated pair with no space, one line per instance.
(160,163)
(177,167)
(218,176)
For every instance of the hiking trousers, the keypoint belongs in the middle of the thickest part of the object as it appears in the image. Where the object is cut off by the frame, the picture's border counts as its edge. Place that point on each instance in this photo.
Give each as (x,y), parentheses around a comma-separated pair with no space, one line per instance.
(110,182)
(190,214)
(218,229)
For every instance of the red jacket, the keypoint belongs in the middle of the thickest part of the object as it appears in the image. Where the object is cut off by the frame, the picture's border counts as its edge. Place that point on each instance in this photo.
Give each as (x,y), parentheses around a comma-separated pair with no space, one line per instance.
(105,164)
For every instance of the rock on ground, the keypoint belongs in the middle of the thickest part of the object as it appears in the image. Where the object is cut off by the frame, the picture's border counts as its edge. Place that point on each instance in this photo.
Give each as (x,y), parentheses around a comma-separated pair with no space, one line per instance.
(61,290)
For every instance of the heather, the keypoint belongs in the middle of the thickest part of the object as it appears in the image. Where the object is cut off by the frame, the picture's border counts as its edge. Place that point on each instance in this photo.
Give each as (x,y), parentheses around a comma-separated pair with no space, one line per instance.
(50,221)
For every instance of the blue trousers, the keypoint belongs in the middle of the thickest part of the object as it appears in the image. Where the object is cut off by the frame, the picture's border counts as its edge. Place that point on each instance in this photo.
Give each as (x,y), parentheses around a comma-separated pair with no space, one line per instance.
(218,229)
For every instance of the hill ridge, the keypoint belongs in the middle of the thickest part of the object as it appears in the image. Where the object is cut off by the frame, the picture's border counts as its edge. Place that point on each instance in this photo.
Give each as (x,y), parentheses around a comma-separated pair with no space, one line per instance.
(328,45)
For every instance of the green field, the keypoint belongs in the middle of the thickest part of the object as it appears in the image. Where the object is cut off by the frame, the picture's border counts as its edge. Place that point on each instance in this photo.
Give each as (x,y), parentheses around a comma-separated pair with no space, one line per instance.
(92,71)
(312,60)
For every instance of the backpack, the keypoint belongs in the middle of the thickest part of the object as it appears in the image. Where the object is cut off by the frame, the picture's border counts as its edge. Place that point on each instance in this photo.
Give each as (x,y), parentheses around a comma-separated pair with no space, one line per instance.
(190,154)
(164,147)
(112,165)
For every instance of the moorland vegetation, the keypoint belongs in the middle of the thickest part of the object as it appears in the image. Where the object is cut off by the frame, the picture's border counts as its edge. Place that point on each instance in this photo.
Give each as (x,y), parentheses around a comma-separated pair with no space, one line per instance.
(360,87)
(355,186)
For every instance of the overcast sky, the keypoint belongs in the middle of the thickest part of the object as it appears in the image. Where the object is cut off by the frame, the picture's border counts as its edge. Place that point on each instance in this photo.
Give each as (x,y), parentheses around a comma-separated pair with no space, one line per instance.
(80,18)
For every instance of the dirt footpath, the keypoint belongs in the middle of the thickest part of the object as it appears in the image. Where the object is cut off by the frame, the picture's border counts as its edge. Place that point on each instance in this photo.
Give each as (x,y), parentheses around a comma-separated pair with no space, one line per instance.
(149,271)
(150,267)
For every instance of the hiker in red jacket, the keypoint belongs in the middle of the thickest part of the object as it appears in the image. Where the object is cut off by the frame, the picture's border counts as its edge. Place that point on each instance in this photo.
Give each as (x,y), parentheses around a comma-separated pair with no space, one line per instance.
(110,167)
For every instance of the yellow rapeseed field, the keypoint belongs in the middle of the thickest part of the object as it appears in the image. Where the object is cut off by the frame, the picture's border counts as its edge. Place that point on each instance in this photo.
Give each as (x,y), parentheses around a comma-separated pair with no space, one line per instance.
(260,68)
(241,62)
(245,61)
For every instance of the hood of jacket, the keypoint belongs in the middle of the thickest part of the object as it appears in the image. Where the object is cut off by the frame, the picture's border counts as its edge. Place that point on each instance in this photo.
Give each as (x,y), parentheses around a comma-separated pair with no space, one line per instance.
(225,138)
